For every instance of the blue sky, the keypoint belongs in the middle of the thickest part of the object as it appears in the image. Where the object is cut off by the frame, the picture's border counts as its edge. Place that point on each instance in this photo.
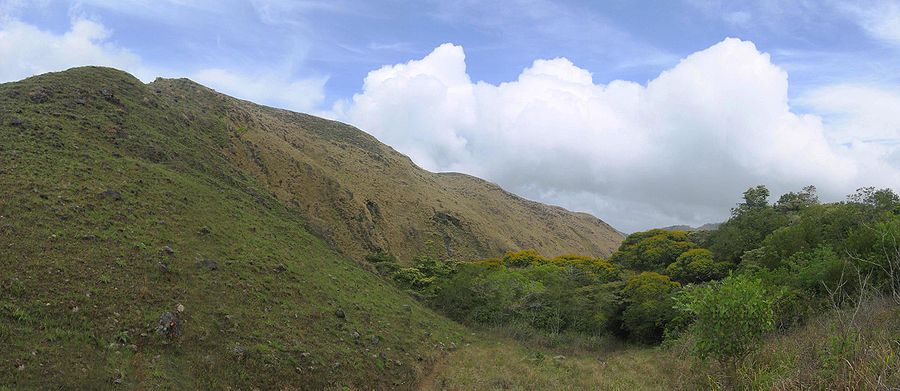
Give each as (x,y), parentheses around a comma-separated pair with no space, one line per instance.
(816,41)
(832,67)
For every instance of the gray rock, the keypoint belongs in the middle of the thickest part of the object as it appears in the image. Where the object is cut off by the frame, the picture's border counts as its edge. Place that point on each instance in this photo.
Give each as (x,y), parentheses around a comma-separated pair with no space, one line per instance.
(111,194)
(209,264)
(340,313)
(167,250)
(38,95)
(169,324)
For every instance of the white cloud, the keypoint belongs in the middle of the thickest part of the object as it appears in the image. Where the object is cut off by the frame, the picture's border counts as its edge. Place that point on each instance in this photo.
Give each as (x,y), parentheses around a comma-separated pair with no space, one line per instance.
(679,149)
(856,112)
(26,50)
(879,18)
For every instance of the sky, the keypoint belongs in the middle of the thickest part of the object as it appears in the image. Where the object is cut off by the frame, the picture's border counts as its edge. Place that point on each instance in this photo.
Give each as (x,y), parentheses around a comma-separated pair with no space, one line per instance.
(643,113)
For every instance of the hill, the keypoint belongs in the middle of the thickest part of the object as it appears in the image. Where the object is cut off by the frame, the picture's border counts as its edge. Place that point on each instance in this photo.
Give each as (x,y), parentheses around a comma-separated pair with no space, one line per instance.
(363,197)
(134,253)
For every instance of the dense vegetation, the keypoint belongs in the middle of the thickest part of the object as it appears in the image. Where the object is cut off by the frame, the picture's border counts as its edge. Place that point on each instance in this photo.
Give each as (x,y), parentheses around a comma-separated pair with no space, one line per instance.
(770,267)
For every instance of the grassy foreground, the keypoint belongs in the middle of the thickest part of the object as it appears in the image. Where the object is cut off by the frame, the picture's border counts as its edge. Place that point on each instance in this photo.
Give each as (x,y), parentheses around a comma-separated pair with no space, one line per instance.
(848,349)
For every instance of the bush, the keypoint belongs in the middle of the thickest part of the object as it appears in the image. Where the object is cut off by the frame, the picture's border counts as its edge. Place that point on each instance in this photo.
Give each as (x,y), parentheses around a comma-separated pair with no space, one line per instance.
(729,317)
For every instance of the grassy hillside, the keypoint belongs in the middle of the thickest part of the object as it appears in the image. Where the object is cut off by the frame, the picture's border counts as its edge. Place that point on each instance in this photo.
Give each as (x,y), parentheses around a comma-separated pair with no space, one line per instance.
(363,197)
(120,217)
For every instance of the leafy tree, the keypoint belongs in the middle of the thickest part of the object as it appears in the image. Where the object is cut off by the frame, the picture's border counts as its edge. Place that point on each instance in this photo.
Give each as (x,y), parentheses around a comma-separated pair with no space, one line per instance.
(795,202)
(750,223)
(649,305)
(523,258)
(697,265)
(652,250)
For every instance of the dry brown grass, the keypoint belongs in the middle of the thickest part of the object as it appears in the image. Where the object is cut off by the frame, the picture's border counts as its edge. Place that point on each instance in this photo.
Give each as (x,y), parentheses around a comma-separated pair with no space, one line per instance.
(500,363)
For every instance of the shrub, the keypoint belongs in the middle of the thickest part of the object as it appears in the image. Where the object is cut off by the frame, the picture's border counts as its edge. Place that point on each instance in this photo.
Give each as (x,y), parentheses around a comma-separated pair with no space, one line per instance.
(730,317)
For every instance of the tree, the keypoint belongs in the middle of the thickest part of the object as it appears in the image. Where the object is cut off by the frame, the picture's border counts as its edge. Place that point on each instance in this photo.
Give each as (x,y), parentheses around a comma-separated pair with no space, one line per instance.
(696,266)
(522,258)
(652,250)
(750,222)
(649,305)
(754,198)
(795,202)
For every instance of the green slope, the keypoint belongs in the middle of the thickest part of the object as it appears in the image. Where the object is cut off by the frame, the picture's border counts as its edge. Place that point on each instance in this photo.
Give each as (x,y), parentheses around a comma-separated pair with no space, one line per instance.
(98,174)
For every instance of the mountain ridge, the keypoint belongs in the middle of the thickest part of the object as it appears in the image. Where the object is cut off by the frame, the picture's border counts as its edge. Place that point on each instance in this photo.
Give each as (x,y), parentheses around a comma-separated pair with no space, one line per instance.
(364,197)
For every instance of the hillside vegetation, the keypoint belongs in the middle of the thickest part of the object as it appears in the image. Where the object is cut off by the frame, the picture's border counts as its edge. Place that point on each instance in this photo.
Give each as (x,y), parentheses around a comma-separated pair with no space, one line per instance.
(134,254)
(734,300)
(363,197)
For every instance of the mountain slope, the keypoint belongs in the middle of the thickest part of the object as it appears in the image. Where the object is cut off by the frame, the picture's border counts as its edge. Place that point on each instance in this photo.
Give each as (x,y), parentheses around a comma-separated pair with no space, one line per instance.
(132,253)
(363,197)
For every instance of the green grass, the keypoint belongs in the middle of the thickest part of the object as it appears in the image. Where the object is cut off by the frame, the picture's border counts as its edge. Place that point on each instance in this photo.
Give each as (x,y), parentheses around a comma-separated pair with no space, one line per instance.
(82,289)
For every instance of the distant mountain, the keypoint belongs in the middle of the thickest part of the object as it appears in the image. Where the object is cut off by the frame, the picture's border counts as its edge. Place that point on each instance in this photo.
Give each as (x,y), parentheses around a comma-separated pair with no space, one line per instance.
(704,227)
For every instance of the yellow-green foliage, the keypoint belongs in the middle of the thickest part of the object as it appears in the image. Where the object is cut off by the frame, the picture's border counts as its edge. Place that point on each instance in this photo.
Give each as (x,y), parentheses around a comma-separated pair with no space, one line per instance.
(523,258)
(650,305)
(652,250)
(697,265)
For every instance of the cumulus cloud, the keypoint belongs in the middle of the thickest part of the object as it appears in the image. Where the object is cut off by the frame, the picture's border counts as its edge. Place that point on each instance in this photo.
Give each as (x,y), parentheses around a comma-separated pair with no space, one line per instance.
(680,148)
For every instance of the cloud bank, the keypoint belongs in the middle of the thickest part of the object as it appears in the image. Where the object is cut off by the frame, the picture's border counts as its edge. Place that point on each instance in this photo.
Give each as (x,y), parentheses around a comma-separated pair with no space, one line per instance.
(680,148)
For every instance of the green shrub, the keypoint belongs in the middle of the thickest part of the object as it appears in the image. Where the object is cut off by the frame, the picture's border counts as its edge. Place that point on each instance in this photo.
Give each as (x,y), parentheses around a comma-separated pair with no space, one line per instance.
(730,317)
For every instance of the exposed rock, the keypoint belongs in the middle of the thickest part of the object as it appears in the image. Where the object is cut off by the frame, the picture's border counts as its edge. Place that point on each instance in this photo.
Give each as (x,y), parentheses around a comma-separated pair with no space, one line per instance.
(209,264)
(340,313)
(204,230)
(111,194)
(169,325)
(375,339)
(167,250)
(355,334)
(39,95)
